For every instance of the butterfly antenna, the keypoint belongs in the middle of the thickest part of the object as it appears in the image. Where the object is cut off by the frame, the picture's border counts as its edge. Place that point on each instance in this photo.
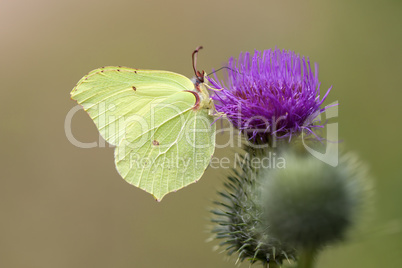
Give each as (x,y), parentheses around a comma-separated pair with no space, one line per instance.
(198,74)
(215,71)
(224,67)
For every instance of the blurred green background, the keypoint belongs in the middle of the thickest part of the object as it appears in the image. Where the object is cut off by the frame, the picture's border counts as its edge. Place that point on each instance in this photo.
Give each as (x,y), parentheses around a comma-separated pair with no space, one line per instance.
(62,206)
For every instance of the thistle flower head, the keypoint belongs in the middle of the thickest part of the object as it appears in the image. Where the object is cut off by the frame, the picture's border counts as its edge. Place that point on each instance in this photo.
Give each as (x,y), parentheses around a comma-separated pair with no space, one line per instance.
(270,93)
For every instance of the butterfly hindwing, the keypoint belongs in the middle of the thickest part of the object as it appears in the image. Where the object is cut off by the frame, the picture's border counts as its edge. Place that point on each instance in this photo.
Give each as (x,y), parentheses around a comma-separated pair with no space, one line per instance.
(172,151)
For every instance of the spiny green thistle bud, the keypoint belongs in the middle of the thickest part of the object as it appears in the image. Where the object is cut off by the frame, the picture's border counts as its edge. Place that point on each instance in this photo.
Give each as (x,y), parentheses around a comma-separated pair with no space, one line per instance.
(310,204)
(239,220)
(274,214)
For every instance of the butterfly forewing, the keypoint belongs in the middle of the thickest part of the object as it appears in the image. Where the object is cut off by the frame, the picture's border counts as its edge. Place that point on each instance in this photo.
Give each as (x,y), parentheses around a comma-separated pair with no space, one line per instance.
(111,95)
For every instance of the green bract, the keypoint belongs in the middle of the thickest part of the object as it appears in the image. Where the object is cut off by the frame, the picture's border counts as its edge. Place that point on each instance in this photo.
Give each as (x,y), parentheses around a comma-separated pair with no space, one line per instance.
(159,121)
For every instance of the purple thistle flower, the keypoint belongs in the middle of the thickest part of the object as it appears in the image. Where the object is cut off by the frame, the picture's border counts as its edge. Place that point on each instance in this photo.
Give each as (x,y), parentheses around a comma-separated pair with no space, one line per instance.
(274,93)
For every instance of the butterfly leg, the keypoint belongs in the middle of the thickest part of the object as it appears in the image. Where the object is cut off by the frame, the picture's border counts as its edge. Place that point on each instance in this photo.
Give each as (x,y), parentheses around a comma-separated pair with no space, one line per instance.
(212,110)
(211,88)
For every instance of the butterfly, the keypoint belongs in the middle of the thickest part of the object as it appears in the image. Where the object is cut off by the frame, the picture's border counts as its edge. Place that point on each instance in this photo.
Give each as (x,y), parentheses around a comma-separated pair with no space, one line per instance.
(161,123)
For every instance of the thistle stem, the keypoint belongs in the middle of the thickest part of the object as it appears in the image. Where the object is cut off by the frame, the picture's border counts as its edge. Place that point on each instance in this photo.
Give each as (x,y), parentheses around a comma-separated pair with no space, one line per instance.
(306,258)
(270,265)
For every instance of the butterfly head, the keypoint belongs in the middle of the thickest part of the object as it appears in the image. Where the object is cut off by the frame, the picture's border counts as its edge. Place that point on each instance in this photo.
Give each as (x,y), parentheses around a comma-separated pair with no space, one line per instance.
(203,101)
